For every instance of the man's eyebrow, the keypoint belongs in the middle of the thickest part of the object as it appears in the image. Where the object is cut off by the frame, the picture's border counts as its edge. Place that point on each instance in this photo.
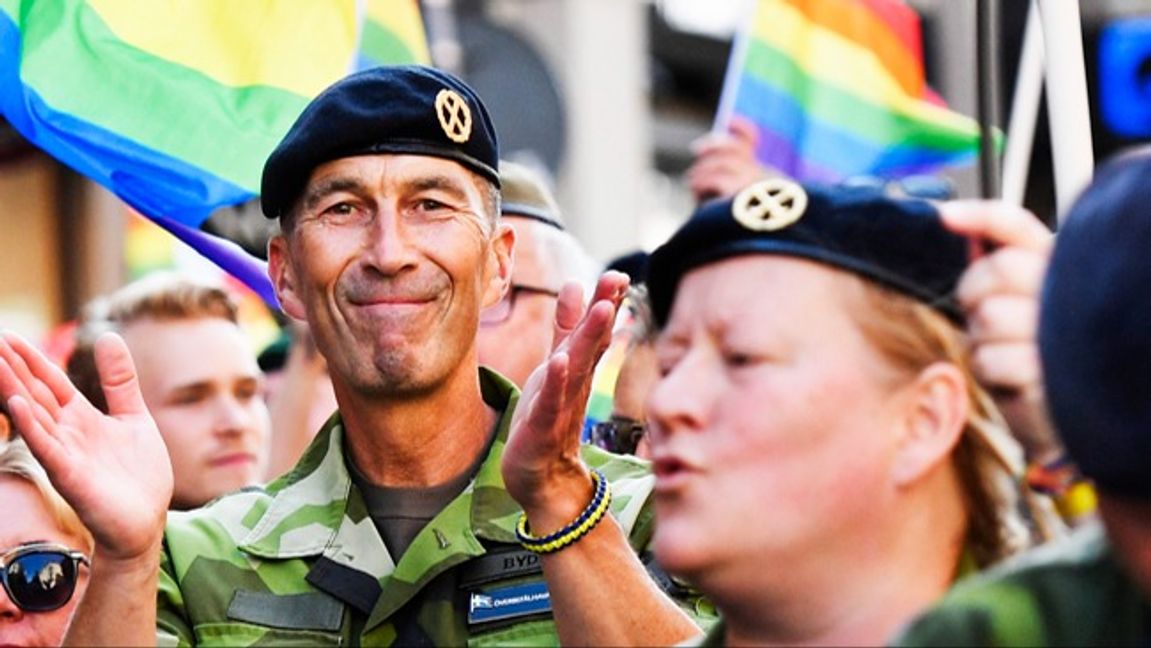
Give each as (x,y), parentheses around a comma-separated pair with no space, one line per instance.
(326,187)
(438,182)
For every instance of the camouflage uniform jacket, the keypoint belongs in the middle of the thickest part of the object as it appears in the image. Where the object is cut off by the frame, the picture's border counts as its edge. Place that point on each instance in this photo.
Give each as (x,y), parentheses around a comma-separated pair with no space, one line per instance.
(301,562)
(1071,593)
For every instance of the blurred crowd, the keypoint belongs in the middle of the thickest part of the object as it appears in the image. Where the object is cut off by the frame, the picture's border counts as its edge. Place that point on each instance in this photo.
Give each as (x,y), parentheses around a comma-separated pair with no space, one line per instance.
(835,415)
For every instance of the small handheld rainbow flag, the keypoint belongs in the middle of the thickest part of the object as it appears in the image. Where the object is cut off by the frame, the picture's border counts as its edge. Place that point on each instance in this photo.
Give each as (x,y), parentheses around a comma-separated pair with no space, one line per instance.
(175,104)
(836,89)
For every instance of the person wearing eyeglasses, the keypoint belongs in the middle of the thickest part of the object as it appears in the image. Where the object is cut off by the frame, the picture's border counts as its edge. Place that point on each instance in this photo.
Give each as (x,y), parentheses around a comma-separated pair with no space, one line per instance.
(515,334)
(44,553)
(625,430)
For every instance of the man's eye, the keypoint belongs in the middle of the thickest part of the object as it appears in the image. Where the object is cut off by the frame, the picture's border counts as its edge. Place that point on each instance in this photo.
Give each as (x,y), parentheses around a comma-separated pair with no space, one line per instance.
(340,209)
(429,204)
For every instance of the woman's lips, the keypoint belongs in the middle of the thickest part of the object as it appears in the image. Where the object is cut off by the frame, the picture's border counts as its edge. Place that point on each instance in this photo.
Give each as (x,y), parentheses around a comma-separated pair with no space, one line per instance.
(671,472)
(233,459)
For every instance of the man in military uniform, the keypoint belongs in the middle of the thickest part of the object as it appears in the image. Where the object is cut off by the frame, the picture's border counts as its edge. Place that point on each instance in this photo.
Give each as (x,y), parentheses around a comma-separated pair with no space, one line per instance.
(400,523)
(1095,588)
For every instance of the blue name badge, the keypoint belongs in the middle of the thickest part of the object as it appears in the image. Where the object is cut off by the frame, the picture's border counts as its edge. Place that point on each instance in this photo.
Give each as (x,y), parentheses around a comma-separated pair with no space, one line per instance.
(508,602)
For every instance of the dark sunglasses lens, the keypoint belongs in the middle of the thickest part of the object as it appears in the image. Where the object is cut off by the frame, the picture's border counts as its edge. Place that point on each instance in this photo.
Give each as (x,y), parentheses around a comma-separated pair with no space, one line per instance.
(620,437)
(601,436)
(41,581)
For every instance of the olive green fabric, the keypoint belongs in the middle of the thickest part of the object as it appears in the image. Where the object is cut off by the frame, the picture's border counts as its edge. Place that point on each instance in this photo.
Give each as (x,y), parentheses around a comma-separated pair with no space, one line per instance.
(300,561)
(1072,593)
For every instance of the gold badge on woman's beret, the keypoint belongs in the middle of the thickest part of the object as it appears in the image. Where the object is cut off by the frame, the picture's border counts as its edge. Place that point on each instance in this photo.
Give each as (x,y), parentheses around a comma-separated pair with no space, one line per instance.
(455,116)
(769,205)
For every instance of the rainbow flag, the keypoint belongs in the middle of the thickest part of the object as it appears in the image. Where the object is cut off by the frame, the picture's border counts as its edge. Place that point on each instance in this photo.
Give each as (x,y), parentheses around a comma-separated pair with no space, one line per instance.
(836,89)
(393,31)
(175,104)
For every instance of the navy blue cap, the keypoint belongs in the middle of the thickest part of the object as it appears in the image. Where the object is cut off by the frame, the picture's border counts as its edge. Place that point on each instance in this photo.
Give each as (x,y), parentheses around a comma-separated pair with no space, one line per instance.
(390,109)
(900,243)
(1095,329)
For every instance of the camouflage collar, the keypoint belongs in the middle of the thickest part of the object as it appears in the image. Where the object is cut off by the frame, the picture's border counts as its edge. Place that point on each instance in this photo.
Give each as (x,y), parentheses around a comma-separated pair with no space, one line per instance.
(494,512)
(317,489)
(309,510)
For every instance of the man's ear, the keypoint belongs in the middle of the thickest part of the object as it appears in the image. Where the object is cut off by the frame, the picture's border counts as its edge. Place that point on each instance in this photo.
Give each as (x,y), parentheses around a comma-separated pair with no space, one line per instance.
(283,278)
(937,409)
(501,261)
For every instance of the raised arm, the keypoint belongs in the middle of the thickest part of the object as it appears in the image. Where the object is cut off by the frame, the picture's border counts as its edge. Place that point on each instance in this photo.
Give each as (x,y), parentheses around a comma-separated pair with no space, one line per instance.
(114,471)
(544,473)
(1000,295)
(725,163)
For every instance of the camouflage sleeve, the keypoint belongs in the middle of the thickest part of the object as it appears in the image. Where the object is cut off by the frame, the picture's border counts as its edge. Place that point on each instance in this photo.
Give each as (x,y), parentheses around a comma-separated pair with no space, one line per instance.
(171,624)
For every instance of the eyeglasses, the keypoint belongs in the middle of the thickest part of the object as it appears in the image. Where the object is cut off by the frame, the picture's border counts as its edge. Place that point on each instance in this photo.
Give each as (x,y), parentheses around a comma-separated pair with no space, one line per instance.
(501,311)
(618,434)
(40,577)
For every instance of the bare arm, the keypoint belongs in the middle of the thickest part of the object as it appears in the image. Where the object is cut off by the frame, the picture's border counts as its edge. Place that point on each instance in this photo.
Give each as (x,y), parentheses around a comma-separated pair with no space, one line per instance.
(112,469)
(543,471)
(725,163)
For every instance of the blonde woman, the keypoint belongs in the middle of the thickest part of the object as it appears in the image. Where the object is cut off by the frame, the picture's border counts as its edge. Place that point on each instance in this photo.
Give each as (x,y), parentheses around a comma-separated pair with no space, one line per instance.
(44,552)
(826,464)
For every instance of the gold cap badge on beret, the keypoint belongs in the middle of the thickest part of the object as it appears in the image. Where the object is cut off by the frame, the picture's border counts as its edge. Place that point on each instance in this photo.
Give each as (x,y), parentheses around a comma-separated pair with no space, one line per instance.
(455,116)
(769,205)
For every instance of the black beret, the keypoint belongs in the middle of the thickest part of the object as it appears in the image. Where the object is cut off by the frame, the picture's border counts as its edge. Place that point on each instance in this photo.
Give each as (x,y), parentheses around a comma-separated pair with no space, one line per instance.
(389,109)
(1095,329)
(900,243)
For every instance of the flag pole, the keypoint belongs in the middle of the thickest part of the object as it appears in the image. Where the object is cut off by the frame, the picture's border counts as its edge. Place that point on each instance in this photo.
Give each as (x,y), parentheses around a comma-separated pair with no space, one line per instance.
(987,75)
(1024,110)
(731,77)
(1071,151)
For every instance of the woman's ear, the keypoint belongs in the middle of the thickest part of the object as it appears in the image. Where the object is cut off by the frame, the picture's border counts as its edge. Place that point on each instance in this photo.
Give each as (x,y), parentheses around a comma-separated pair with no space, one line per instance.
(501,261)
(936,415)
(283,278)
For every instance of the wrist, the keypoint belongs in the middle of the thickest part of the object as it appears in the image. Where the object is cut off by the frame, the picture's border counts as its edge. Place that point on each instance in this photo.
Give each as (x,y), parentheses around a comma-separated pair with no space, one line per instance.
(573,531)
(141,566)
(559,499)
(137,557)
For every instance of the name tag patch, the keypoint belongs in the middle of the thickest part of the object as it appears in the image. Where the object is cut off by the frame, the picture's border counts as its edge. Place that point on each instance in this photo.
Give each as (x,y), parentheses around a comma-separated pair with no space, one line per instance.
(499,564)
(502,603)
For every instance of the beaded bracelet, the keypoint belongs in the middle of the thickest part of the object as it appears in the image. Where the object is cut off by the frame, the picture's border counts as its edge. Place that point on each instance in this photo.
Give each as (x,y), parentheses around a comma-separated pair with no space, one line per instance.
(587,520)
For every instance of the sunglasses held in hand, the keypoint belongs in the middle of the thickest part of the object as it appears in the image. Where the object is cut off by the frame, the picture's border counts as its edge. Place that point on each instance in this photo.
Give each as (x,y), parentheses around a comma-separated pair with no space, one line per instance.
(40,577)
